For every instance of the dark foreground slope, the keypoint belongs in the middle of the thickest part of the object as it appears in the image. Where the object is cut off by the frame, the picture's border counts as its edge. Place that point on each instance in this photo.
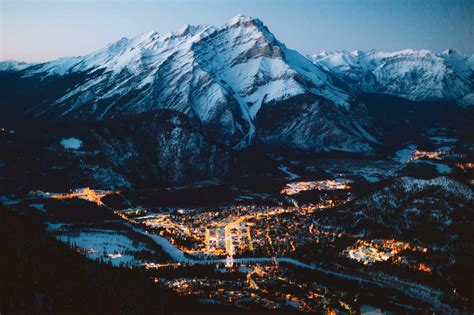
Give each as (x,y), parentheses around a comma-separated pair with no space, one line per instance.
(39,275)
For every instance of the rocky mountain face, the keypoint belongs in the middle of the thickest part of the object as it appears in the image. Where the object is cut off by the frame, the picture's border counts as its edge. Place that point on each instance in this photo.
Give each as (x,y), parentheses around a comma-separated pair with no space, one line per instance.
(415,75)
(220,77)
(158,148)
(307,123)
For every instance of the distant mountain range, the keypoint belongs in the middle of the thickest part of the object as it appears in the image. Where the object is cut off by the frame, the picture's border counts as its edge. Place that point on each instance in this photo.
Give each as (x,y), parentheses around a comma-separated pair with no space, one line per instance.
(418,75)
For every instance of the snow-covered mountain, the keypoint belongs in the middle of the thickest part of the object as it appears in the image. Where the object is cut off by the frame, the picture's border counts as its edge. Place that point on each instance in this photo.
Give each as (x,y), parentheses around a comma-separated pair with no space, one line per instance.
(13,65)
(418,75)
(221,77)
(239,85)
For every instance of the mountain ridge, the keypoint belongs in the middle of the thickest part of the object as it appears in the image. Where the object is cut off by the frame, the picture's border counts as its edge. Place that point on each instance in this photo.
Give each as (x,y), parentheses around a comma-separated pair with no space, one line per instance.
(232,80)
(219,76)
(418,75)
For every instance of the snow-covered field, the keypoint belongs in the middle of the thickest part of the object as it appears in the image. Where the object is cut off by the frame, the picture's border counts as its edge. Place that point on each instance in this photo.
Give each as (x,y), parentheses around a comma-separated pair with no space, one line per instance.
(71,143)
(434,158)
(108,245)
(8,200)
(405,155)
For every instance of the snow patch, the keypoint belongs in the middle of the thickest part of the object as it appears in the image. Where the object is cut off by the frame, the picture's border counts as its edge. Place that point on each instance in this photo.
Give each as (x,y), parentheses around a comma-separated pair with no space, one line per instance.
(405,155)
(38,206)
(287,171)
(107,245)
(71,143)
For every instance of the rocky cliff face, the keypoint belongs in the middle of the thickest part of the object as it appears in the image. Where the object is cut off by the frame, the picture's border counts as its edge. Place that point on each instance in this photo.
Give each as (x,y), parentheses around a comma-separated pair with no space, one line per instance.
(308,123)
(162,147)
(159,148)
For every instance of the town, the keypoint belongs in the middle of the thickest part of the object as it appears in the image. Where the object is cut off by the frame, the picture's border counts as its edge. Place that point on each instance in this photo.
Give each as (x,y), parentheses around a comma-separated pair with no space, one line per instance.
(251,254)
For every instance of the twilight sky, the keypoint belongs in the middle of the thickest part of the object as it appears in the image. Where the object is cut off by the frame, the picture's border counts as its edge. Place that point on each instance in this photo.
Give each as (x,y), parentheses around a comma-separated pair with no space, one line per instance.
(36,30)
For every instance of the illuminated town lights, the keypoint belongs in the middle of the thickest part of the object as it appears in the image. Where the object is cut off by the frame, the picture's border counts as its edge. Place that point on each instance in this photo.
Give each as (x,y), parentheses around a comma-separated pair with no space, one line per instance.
(297,187)
(369,252)
(419,154)
(465,166)
(83,193)
(425,268)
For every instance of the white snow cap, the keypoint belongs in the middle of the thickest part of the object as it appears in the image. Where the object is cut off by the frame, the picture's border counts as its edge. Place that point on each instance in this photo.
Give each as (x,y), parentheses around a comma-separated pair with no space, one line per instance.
(238,19)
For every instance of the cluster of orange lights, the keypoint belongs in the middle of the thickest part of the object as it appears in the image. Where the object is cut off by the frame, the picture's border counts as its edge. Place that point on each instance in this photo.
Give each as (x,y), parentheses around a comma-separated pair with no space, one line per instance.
(419,154)
(465,166)
(88,194)
(369,252)
(268,292)
(297,187)
(425,268)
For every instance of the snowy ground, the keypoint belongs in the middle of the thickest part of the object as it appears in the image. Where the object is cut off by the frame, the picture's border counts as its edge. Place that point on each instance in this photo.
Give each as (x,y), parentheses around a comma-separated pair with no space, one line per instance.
(405,155)
(370,171)
(440,167)
(286,170)
(38,206)
(408,155)
(443,140)
(370,310)
(108,245)
(71,143)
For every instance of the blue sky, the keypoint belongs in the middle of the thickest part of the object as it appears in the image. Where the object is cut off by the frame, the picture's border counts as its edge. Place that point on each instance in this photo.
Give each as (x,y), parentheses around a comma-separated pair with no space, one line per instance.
(34,30)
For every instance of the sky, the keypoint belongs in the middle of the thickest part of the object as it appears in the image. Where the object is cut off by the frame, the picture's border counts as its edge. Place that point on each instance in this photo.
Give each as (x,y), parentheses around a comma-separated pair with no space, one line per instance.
(36,31)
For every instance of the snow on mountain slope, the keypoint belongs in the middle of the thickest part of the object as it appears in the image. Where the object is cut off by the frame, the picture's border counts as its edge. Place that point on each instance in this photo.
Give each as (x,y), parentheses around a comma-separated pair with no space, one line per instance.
(417,75)
(13,65)
(219,76)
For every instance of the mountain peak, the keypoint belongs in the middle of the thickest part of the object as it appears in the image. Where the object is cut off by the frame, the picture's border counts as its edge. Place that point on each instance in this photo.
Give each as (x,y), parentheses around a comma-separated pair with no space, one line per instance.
(238,18)
(188,30)
(244,20)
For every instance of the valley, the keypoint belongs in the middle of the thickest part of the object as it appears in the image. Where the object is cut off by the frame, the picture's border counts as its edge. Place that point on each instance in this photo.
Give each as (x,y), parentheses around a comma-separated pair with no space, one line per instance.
(272,243)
